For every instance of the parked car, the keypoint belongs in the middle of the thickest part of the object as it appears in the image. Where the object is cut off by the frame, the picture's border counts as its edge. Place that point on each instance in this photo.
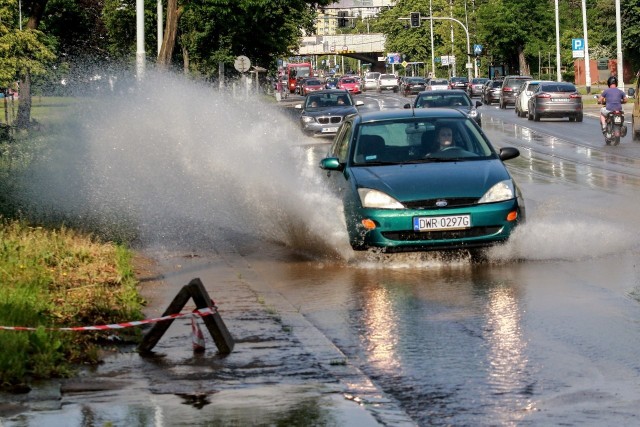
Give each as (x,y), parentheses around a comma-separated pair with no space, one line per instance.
(388,82)
(413,85)
(491,91)
(370,81)
(522,98)
(323,111)
(451,98)
(331,83)
(556,99)
(476,85)
(437,84)
(311,85)
(509,90)
(400,192)
(349,83)
(458,83)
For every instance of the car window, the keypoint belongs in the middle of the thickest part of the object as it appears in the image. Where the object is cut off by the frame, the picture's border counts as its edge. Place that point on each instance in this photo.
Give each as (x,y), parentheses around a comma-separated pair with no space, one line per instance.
(340,147)
(398,141)
(557,87)
(428,100)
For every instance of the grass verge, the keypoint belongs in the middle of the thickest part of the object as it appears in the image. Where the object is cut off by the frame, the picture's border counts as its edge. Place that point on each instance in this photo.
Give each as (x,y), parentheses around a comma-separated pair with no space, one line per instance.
(54,276)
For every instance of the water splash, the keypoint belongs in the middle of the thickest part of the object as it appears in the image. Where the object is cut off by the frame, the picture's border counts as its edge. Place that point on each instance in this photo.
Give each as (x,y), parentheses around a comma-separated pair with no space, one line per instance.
(177,160)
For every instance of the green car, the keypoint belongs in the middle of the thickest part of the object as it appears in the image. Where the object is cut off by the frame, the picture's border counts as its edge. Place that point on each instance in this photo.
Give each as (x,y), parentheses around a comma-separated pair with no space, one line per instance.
(422,179)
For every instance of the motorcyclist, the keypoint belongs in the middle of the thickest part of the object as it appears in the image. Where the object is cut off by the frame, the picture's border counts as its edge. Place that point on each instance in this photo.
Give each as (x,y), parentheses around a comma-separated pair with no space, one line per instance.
(612,98)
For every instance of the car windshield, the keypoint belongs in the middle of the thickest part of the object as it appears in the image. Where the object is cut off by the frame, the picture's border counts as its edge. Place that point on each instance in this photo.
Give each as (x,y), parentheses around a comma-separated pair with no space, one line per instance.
(387,76)
(313,82)
(416,80)
(415,140)
(438,82)
(497,84)
(557,87)
(478,81)
(349,80)
(428,100)
(327,100)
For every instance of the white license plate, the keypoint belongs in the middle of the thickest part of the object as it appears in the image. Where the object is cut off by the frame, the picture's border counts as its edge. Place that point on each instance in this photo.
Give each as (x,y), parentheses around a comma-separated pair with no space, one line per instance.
(330,130)
(450,222)
(559,99)
(617,119)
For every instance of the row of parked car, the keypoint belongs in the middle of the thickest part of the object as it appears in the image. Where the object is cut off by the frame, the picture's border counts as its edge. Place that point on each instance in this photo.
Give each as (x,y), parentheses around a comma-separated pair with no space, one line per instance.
(531,98)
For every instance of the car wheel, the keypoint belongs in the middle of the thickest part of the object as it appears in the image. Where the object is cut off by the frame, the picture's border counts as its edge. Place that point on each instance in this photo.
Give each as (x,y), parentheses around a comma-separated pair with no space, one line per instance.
(572,118)
(536,116)
(634,134)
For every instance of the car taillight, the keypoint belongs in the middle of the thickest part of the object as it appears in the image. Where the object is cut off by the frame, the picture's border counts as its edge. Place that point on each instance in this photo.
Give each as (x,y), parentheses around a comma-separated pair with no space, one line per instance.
(507,89)
(543,95)
(575,95)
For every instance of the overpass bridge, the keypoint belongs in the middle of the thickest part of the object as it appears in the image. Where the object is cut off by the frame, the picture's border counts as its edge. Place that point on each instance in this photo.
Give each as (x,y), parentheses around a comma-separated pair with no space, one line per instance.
(368,48)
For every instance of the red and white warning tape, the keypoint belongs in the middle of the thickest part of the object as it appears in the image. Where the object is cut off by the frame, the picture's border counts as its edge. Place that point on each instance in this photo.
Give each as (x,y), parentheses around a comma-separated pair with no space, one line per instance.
(198,312)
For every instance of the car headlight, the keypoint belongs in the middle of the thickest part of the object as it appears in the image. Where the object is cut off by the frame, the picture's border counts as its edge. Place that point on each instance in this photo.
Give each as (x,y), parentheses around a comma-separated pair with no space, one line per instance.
(473,113)
(500,192)
(377,199)
(308,119)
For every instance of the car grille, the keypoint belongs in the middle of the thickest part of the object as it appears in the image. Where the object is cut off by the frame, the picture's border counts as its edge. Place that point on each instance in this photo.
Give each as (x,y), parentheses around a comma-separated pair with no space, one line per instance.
(329,119)
(413,236)
(431,203)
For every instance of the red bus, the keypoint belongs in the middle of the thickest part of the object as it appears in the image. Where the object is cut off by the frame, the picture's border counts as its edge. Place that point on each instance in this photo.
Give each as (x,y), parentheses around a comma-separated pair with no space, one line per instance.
(294,71)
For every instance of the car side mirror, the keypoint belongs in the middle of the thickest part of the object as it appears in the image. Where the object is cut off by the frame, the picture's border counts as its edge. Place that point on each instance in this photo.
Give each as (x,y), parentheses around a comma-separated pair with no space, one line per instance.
(407,106)
(478,104)
(331,164)
(508,153)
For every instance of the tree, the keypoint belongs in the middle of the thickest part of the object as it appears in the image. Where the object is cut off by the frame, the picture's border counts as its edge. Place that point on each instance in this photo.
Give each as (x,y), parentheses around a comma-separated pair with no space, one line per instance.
(22,53)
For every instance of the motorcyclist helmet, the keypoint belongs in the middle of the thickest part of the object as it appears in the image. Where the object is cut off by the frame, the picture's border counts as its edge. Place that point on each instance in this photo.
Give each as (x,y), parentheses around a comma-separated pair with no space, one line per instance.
(613,80)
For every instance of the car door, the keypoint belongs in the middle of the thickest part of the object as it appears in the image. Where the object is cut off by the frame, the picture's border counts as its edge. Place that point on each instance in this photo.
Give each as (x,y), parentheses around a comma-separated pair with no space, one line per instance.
(339,180)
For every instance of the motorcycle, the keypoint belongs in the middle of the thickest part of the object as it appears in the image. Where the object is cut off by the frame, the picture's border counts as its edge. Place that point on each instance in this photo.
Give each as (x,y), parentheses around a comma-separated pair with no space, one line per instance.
(614,127)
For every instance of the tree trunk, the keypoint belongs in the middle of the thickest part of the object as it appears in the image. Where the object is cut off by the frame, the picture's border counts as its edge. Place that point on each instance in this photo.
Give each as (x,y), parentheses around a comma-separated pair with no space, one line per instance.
(23,119)
(170,34)
(522,63)
(185,60)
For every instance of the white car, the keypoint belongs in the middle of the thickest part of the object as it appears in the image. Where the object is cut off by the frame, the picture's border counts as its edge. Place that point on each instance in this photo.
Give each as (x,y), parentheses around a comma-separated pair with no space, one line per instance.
(388,82)
(437,84)
(370,81)
(524,94)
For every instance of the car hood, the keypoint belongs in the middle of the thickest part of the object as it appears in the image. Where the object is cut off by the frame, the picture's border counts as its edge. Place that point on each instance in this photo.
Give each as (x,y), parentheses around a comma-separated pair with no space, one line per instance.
(424,181)
(331,111)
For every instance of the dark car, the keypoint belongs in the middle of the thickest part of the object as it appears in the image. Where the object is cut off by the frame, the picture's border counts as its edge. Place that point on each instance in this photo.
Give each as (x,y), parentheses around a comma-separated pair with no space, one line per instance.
(413,85)
(331,83)
(324,110)
(556,99)
(509,91)
(450,98)
(491,91)
(475,86)
(458,83)
(403,189)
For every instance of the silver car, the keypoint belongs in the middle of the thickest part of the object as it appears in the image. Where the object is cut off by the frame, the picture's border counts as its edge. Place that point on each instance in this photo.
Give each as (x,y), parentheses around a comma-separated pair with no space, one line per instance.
(556,99)
(323,111)
(438,84)
(370,81)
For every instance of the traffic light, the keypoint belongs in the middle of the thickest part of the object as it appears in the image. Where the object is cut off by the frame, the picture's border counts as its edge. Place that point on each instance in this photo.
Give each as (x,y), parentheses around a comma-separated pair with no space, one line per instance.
(415,19)
(342,20)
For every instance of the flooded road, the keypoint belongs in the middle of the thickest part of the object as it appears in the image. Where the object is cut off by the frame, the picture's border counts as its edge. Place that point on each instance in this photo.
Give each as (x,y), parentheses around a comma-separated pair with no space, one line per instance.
(546,332)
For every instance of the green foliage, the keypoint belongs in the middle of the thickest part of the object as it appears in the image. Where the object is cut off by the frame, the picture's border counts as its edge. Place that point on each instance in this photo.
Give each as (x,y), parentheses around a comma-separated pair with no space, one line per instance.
(53,278)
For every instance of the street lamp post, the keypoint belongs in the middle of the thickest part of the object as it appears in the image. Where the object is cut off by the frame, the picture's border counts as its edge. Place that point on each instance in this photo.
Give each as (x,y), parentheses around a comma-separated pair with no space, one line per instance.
(468,40)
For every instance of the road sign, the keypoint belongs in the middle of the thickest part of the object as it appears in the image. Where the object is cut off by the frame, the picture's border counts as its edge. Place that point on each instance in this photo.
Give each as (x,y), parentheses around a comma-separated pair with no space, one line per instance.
(393,58)
(577,47)
(577,44)
(242,63)
(477,49)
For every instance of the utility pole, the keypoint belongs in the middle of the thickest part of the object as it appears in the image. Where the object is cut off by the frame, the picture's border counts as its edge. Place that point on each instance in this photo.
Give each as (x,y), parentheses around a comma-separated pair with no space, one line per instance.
(140,54)
(586,47)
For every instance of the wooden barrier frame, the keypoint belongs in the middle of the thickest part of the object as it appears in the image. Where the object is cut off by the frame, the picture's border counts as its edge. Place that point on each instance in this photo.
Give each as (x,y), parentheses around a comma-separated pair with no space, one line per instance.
(218,330)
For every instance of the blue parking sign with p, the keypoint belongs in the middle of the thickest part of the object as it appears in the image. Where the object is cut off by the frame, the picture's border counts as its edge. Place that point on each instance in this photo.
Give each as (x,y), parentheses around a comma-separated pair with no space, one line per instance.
(577,44)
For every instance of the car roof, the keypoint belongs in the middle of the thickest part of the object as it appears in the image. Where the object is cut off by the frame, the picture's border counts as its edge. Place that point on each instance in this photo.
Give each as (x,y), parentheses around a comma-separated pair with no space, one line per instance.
(395,114)
(320,92)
